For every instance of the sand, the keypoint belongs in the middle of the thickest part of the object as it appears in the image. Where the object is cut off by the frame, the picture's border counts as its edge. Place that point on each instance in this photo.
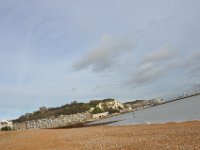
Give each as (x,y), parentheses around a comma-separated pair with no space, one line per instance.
(170,136)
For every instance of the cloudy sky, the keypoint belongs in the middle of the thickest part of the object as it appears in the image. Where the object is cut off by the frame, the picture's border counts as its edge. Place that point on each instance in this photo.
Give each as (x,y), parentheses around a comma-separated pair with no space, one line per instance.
(57,51)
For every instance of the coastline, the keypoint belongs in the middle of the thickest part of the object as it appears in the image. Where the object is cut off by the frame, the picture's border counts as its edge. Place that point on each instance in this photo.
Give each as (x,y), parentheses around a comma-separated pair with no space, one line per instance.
(172,135)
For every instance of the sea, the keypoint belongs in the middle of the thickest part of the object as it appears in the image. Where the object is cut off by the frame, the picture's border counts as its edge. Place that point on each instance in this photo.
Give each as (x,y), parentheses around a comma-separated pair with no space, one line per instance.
(187,109)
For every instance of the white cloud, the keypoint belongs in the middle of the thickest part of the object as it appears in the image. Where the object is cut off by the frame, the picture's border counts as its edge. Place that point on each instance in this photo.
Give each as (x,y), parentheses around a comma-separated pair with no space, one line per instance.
(192,64)
(164,53)
(148,73)
(153,66)
(105,55)
(74,89)
(96,88)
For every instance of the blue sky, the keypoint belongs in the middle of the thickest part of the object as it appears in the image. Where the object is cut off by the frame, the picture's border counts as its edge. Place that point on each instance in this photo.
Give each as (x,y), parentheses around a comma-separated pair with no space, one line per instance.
(54,52)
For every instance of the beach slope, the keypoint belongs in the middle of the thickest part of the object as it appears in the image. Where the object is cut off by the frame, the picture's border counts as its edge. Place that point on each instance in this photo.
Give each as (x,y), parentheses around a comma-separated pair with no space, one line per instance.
(180,136)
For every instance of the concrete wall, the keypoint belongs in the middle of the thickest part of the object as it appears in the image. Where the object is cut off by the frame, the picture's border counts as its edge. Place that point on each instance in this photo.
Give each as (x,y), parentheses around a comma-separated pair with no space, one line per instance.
(61,121)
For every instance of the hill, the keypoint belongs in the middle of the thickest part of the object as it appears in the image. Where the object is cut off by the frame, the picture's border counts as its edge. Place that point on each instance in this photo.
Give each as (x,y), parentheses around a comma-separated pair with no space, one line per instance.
(94,106)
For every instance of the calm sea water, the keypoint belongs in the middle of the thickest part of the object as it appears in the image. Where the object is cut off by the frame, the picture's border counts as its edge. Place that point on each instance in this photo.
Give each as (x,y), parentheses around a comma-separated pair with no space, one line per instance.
(187,109)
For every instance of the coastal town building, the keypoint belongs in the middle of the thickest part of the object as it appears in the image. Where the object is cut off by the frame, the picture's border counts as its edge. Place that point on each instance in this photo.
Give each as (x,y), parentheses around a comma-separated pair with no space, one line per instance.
(139,104)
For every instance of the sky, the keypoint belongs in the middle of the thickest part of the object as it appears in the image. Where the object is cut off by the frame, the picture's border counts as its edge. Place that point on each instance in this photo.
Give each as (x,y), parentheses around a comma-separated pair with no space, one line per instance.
(58,51)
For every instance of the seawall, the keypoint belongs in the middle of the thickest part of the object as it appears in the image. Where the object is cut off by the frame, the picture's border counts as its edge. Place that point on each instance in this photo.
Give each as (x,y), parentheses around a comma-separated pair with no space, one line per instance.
(53,122)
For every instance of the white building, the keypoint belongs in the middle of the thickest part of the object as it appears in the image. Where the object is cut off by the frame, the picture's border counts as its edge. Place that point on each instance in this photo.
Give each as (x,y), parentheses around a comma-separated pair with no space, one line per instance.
(4,123)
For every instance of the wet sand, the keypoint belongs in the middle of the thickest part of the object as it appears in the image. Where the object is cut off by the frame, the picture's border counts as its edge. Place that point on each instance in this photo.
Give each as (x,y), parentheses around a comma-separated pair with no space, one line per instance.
(170,136)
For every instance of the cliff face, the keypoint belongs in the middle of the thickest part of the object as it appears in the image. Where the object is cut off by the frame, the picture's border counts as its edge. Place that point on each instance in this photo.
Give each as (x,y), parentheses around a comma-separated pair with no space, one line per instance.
(107,105)
(110,104)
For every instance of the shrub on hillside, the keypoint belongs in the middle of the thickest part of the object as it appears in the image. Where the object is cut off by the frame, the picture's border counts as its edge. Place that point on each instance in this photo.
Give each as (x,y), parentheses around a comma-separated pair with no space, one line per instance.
(6,128)
(112,111)
(97,110)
